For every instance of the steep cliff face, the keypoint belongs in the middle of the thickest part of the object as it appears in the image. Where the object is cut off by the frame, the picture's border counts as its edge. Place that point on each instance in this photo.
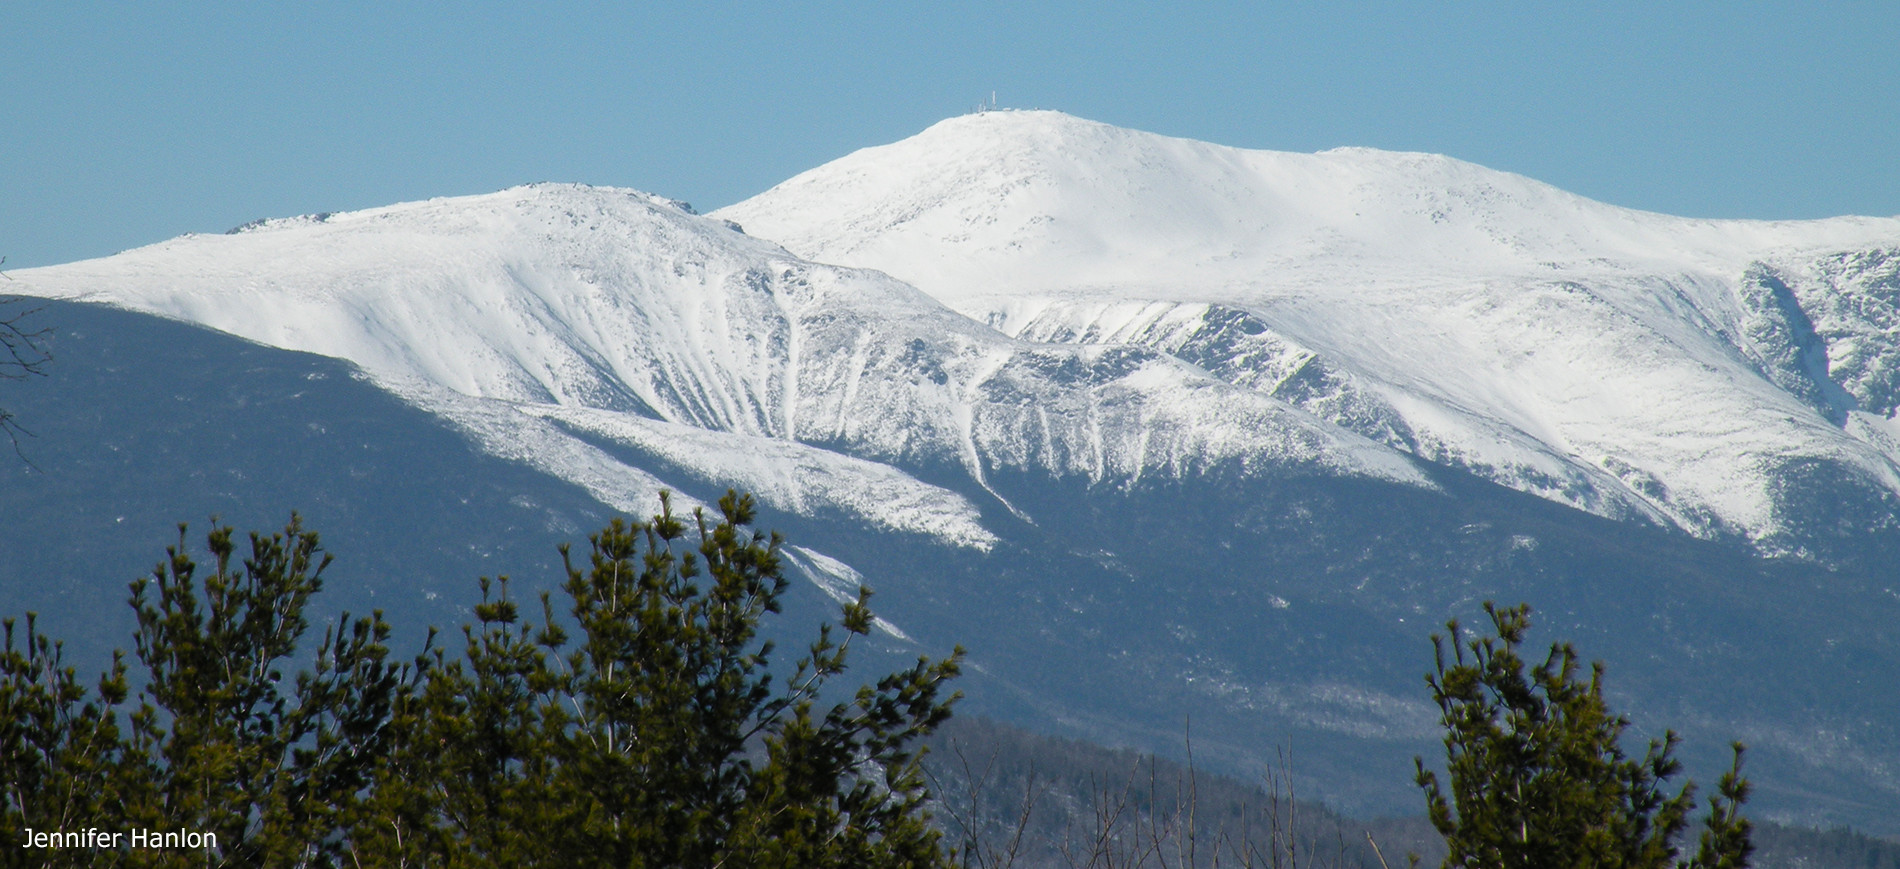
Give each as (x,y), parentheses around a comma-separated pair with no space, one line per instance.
(1851,301)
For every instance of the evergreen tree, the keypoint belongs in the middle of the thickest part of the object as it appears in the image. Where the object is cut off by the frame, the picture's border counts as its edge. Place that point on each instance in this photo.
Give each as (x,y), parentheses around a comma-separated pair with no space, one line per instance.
(59,745)
(275,769)
(658,735)
(1538,776)
(218,742)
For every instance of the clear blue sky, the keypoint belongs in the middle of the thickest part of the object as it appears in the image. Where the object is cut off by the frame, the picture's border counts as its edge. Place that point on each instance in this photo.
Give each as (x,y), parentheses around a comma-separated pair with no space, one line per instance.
(129,123)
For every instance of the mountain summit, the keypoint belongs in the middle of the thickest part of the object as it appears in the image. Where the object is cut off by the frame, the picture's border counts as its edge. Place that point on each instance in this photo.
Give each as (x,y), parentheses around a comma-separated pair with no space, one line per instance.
(986,207)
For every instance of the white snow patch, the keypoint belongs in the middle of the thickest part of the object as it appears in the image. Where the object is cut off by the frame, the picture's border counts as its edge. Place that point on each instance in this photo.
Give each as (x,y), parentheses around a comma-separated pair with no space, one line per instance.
(838,580)
(791,476)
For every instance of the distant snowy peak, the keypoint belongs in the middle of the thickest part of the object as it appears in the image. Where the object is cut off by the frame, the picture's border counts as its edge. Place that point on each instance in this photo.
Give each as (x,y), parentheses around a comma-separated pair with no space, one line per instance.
(559,323)
(1623,362)
(986,206)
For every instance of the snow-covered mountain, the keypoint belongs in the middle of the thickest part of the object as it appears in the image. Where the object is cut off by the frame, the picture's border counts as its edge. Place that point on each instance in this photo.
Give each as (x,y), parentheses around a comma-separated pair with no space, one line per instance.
(1626,363)
(543,318)
(1154,427)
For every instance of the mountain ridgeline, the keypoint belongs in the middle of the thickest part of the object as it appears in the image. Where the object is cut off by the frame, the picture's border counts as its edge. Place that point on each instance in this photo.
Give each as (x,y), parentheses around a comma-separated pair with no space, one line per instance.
(1155,428)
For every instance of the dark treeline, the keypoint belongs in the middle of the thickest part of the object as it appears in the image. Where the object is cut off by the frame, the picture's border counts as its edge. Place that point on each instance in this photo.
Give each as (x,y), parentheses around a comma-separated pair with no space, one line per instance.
(1009,797)
(984,773)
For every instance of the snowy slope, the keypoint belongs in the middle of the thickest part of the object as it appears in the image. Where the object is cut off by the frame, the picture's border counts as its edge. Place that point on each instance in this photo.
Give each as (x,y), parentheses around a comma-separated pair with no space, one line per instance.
(558,323)
(1627,363)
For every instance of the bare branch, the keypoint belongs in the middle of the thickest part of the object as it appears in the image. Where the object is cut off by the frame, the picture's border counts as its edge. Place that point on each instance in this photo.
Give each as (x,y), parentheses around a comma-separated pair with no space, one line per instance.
(24,352)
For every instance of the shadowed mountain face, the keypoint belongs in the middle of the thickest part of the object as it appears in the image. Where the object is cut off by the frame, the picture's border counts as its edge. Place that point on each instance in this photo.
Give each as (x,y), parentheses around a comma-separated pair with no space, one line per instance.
(1140,481)
(144,423)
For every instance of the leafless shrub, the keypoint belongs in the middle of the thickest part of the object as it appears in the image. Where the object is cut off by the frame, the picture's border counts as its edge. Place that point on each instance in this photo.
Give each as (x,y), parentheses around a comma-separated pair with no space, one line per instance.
(1053,803)
(24,352)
